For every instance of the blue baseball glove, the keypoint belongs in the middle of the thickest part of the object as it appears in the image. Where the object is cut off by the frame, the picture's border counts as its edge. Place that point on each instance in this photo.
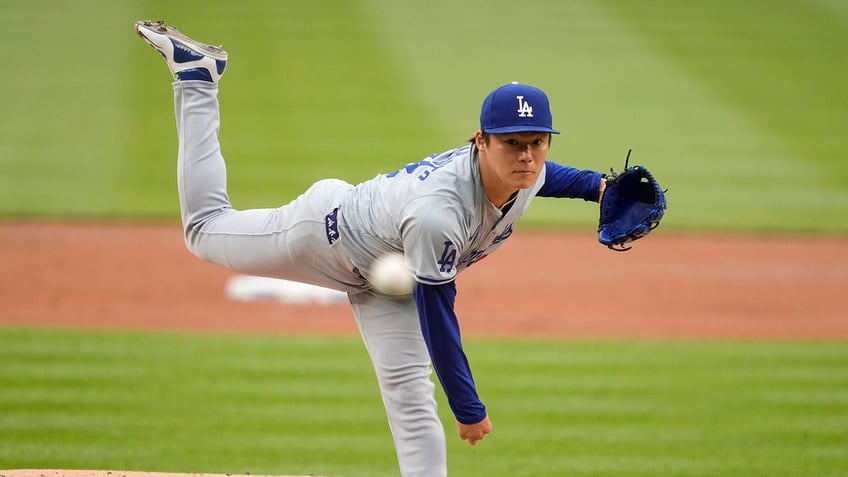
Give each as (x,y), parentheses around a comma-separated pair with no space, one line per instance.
(632,206)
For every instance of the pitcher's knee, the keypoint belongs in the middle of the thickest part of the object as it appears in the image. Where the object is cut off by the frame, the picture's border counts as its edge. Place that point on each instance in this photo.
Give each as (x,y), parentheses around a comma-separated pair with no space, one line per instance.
(409,392)
(193,243)
(198,239)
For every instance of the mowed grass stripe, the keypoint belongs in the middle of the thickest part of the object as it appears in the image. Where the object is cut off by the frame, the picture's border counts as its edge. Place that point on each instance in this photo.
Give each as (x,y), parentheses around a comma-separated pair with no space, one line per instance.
(777,66)
(174,396)
(63,122)
(274,404)
(743,95)
(669,79)
(670,408)
(779,70)
(309,93)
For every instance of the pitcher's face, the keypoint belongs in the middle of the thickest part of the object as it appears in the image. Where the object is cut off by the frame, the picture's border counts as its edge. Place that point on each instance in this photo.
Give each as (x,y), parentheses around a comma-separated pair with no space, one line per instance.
(510,162)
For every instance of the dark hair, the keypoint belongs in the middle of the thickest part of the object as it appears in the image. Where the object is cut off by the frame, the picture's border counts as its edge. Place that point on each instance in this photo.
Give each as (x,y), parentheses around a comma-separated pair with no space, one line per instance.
(485,137)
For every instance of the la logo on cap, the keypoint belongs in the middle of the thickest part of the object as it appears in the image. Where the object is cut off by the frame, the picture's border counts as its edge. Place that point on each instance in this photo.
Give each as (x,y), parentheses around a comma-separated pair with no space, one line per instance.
(524,108)
(500,115)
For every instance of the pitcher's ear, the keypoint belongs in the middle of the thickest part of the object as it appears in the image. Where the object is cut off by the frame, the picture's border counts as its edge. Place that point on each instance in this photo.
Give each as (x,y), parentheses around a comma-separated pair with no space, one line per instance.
(481,139)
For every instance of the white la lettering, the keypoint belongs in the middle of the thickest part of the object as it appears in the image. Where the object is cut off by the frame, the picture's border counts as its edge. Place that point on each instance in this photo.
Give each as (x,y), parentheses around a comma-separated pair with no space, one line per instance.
(524,109)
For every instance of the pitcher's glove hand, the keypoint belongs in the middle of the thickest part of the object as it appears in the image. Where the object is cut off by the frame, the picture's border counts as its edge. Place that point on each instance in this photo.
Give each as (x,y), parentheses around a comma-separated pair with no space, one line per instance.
(632,205)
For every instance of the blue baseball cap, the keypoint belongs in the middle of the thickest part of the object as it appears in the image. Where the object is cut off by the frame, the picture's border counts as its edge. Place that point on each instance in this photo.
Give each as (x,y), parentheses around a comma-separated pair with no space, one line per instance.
(514,108)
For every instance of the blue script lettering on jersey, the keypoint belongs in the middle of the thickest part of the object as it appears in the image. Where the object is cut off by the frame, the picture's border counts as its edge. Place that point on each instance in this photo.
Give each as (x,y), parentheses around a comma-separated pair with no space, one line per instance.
(433,163)
(503,235)
(477,255)
(473,258)
(448,259)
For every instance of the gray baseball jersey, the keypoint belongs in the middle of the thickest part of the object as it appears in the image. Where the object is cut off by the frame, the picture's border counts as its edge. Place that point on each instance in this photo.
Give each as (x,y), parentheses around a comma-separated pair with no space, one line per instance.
(435,212)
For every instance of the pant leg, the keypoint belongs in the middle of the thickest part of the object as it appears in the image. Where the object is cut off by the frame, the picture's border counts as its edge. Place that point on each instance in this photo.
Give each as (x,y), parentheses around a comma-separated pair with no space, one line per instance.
(392,335)
(201,172)
(287,242)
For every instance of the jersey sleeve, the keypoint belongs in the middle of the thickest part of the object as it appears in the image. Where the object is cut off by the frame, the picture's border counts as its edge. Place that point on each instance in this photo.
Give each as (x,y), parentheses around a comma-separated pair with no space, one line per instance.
(440,329)
(432,235)
(568,182)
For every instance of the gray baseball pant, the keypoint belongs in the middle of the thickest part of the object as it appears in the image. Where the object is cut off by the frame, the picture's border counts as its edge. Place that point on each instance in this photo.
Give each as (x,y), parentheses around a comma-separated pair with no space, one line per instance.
(290,242)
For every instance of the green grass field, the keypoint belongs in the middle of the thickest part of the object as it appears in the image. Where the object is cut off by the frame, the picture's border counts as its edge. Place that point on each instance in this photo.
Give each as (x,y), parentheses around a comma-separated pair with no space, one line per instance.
(259,404)
(738,107)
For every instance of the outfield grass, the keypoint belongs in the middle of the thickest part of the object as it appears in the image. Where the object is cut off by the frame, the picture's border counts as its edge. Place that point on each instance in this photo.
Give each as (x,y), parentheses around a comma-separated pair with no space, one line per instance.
(272,404)
(738,107)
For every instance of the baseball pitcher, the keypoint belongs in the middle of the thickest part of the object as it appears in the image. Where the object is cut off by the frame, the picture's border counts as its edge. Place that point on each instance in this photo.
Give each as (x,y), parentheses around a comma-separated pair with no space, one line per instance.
(443,214)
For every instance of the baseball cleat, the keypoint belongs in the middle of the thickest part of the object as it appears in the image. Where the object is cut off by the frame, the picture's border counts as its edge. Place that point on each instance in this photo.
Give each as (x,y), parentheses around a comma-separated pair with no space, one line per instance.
(188,59)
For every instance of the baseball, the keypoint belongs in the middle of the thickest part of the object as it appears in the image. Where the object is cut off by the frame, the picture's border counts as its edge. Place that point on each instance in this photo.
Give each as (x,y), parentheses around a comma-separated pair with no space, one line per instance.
(391,276)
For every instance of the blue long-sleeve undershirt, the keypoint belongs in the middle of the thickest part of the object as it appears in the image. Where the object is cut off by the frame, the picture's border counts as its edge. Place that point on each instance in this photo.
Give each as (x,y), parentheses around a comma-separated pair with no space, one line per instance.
(441,333)
(565,181)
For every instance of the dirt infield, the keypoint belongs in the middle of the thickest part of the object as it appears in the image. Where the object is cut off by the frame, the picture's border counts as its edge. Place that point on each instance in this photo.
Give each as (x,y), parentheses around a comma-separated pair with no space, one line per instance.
(539,284)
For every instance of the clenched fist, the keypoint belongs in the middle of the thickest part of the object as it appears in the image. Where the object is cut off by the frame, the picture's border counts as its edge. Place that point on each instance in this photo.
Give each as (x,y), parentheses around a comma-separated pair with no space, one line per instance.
(474,432)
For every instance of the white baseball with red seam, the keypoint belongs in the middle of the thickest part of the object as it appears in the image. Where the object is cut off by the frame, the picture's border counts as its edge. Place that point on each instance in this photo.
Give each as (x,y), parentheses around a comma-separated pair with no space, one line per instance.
(391,276)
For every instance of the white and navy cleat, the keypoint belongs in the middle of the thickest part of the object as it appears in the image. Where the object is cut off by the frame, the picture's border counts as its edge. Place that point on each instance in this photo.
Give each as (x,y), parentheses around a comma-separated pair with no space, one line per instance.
(188,59)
